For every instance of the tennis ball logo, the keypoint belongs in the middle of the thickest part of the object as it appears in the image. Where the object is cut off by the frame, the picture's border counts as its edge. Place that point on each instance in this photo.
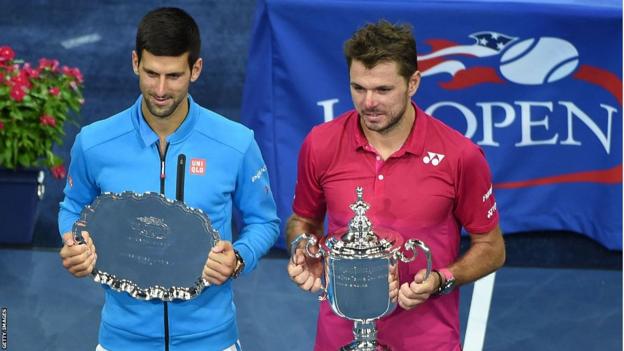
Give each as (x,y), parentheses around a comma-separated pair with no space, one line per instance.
(535,62)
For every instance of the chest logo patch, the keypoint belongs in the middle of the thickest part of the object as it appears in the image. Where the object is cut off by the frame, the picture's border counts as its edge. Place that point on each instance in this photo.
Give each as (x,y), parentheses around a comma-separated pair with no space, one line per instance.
(433,158)
(198,166)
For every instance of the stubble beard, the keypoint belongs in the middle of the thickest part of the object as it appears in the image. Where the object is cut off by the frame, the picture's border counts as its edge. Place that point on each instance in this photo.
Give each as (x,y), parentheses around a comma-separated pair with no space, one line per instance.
(393,122)
(162,112)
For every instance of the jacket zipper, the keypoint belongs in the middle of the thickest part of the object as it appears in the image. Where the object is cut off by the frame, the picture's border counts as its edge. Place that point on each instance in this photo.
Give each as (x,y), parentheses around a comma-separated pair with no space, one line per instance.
(163,157)
(162,166)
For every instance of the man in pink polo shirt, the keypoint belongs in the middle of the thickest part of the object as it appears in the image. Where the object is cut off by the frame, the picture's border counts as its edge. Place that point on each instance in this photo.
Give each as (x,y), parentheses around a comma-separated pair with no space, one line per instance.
(421,179)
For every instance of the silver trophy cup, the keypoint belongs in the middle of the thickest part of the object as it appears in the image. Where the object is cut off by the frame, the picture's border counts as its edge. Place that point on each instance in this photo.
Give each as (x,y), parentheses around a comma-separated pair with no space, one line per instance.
(358,264)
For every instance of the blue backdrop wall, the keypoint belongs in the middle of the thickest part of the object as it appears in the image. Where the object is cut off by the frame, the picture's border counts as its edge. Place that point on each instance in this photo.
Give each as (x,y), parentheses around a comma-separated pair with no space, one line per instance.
(536,84)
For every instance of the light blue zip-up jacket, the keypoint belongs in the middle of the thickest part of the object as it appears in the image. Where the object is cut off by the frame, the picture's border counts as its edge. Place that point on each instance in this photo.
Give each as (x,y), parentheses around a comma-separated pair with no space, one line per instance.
(120,154)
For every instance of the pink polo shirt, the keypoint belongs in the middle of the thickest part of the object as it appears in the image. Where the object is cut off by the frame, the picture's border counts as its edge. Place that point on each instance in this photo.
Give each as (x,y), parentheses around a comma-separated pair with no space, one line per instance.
(436,183)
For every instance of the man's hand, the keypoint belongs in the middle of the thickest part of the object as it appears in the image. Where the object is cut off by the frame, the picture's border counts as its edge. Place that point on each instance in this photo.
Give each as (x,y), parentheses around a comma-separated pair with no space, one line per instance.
(220,264)
(305,271)
(418,291)
(78,259)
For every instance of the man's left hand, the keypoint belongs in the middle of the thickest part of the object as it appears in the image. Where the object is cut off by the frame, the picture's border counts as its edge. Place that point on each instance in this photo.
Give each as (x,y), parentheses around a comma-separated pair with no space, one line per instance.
(418,291)
(220,264)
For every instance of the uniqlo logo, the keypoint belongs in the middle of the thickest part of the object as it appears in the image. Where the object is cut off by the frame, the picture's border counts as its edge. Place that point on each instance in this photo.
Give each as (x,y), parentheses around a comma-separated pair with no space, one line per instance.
(198,166)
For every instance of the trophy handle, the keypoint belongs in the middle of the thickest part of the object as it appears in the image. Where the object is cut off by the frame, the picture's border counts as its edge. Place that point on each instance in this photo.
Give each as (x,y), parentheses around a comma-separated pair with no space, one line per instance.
(79,225)
(411,245)
(311,241)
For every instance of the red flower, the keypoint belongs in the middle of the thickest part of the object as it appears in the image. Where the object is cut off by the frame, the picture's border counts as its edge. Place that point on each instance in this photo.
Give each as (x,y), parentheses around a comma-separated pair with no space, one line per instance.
(1,125)
(11,68)
(22,80)
(73,73)
(17,93)
(50,64)
(58,171)
(6,54)
(29,71)
(47,120)
(55,91)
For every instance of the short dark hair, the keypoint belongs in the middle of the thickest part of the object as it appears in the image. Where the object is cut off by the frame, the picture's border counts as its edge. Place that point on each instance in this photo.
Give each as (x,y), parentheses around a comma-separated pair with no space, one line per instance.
(168,31)
(383,42)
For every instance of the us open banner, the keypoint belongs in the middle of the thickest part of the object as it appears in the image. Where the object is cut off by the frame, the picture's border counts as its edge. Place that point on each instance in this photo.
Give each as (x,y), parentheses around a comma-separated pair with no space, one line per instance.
(538,85)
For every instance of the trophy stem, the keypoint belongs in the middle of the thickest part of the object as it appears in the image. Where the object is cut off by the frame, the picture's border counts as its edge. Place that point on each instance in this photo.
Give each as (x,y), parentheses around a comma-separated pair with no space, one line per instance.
(365,334)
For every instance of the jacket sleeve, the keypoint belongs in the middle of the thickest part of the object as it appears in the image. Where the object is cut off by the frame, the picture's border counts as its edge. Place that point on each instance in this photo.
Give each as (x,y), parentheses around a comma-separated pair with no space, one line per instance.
(254,200)
(80,189)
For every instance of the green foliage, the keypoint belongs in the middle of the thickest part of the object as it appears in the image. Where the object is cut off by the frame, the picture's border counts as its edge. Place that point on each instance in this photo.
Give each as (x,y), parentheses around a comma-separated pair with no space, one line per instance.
(35,103)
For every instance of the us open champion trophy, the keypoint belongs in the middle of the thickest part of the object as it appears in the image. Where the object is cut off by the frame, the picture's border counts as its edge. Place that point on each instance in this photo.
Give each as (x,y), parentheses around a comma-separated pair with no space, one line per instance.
(148,246)
(357,265)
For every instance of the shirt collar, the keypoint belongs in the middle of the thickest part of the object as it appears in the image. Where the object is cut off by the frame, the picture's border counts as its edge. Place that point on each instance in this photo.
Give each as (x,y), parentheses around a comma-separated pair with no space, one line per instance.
(148,135)
(415,140)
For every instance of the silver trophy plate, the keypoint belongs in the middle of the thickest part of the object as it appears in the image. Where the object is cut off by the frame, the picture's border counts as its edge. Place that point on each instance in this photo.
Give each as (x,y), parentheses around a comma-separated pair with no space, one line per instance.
(147,245)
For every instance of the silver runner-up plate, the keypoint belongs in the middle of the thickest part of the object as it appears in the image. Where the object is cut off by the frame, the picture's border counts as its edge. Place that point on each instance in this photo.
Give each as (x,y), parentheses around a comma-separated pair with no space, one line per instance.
(147,245)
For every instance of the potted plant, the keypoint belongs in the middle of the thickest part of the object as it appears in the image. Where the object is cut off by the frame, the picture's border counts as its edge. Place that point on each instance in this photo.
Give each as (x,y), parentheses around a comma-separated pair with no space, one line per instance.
(35,103)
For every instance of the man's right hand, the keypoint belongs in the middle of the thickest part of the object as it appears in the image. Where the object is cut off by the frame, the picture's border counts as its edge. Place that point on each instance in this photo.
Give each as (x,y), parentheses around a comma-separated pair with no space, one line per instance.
(78,259)
(305,271)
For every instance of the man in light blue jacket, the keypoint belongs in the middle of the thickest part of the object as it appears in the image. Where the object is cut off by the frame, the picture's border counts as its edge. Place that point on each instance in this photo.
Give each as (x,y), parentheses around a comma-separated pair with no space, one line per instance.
(136,150)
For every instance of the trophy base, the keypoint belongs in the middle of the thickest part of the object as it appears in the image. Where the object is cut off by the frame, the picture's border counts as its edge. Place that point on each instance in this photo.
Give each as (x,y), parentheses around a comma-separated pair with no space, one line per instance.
(365,335)
(365,346)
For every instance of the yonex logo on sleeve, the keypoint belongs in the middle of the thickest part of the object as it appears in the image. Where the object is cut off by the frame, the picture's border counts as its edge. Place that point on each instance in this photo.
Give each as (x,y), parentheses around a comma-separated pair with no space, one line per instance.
(487,194)
(491,211)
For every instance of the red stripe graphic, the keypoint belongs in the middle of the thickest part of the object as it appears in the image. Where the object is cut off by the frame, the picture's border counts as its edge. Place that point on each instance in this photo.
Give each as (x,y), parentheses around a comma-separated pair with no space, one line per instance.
(472,76)
(603,78)
(609,176)
(439,44)
(427,64)
(436,45)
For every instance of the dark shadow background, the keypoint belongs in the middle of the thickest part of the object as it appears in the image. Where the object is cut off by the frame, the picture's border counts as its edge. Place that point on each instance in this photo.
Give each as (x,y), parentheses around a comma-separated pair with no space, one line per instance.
(38,29)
